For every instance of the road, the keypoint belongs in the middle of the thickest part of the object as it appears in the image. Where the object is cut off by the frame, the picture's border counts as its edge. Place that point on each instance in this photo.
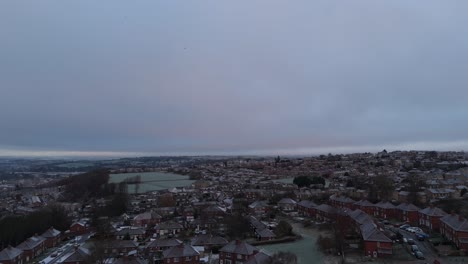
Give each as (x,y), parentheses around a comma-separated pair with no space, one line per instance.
(67,248)
(423,246)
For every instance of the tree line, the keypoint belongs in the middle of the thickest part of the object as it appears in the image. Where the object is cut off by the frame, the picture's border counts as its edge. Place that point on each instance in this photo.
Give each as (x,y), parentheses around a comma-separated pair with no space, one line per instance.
(15,229)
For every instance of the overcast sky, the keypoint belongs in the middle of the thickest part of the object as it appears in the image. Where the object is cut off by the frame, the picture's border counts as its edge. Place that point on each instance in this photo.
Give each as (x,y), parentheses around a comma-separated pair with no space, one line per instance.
(232,77)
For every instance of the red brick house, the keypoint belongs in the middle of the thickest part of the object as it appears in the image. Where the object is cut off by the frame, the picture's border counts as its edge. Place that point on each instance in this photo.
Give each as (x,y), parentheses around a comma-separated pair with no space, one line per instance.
(408,213)
(339,201)
(11,255)
(147,218)
(181,254)
(168,228)
(132,233)
(287,204)
(385,210)
(365,206)
(79,228)
(162,244)
(258,208)
(78,256)
(325,212)
(32,247)
(209,241)
(189,214)
(430,217)
(52,237)
(265,234)
(306,208)
(376,243)
(455,228)
(236,252)
(119,247)
(213,211)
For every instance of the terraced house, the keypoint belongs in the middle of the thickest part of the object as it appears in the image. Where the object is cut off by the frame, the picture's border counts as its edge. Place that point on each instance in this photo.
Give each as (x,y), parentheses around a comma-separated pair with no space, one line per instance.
(455,228)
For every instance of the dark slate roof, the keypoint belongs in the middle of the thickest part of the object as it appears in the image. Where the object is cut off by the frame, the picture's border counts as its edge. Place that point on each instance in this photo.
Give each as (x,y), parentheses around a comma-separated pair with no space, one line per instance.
(180,251)
(327,208)
(258,204)
(433,211)
(133,260)
(147,216)
(213,209)
(50,233)
(287,201)
(79,255)
(456,222)
(172,242)
(364,203)
(239,247)
(31,243)
(122,244)
(360,217)
(256,224)
(9,253)
(340,198)
(130,231)
(385,205)
(168,225)
(370,232)
(203,240)
(259,258)
(265,233)
(307,204)
(408,207)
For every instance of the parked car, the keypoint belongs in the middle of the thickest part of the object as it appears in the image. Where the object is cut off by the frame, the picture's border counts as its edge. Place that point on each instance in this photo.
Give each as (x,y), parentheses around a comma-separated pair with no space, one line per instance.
(405,240)
(419,255)
(414,230)
(414,248)
(404,226)
(411,241)
(420,237)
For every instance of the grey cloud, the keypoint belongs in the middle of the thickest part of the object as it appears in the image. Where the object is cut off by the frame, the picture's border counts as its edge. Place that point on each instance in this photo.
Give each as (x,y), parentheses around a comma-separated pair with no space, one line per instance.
(244,76)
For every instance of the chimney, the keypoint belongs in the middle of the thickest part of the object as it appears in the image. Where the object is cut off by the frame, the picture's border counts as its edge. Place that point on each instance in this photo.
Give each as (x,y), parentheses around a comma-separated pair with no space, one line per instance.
(238,242)
(460,218)
(452,212)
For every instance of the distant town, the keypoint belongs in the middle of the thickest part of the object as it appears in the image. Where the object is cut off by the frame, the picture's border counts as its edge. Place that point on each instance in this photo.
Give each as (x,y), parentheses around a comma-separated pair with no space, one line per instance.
(385,207)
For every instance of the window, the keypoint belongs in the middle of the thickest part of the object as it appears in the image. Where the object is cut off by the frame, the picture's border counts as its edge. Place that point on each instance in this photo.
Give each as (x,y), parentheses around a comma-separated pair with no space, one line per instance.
(228,255)
(176,259)
(188,258)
